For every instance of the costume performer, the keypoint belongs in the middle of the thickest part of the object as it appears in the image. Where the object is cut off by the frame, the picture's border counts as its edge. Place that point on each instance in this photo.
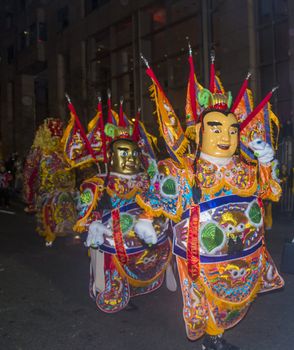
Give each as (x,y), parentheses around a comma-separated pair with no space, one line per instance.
(49,186)
(129,253)
(30,173)
(216,204)
(5,180)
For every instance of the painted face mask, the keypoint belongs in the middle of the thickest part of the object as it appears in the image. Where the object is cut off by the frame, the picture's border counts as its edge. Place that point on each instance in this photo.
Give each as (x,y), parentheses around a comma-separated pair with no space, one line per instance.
(125,158)
(220,134)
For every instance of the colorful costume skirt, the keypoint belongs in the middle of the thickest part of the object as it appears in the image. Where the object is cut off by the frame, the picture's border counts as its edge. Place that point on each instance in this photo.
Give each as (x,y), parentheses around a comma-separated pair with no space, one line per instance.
(233,264)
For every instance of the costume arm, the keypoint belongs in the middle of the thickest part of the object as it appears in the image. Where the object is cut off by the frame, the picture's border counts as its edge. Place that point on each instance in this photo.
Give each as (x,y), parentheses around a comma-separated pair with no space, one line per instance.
(268,181)
(268,178)
(90,193)
(31,170)
(269,187)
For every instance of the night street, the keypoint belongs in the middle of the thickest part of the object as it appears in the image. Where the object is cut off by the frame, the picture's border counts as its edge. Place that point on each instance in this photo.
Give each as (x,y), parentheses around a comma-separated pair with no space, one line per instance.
(135,121)
(45,302)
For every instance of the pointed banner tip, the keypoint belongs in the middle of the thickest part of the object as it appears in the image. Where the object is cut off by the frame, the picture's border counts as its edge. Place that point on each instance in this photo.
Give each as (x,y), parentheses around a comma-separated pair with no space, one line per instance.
(121,100)
(212,56)
(248,75)
(139,109)
(144,60)
(108,93)
(189,46)
(67,97)
(99,97)
(275,88)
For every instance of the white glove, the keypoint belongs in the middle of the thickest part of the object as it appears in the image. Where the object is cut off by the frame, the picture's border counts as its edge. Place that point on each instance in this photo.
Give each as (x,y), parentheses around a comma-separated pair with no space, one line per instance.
(96,234)
(262,150)
(145,230)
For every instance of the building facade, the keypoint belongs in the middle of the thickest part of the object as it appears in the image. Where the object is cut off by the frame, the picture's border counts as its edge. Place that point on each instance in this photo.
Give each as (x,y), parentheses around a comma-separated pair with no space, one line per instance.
(83,47)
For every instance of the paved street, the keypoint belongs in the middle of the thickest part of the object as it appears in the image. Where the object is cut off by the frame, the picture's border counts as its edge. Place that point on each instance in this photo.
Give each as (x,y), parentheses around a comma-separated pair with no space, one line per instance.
(44,302)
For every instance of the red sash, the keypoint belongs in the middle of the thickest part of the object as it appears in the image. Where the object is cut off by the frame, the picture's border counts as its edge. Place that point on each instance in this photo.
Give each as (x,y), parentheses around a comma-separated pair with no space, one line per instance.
(193,254)
(118,237)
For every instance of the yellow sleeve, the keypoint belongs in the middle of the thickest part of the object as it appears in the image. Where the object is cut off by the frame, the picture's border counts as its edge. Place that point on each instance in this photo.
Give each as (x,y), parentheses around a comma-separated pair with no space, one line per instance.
(269,183)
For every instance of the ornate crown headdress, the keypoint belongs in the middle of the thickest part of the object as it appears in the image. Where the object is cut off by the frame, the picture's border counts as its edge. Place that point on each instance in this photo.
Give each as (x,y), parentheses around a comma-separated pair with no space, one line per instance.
(46,134)
(80,148)
(258,122)
(55,125)
(133,130)
(76,146)
(215,97)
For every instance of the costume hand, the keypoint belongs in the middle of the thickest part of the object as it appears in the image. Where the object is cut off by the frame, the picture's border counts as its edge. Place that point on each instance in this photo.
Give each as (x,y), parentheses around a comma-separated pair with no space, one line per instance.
(145,230)
(262,150)
(96,234)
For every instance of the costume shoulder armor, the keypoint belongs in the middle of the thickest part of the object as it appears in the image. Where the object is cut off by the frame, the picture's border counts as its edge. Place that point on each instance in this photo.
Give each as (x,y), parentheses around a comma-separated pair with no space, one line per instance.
(169,192)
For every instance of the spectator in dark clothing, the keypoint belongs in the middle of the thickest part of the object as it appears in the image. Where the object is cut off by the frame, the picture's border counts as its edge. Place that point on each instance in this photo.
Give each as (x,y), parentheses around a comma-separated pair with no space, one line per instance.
(5,179)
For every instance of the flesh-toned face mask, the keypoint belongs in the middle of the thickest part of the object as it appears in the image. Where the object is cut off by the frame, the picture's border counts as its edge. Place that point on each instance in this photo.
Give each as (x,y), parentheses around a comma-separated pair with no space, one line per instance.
(125,157)
(220,134)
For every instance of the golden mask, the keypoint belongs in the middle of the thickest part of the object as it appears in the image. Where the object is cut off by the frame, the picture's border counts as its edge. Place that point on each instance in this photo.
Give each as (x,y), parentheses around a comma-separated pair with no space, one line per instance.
(125,157)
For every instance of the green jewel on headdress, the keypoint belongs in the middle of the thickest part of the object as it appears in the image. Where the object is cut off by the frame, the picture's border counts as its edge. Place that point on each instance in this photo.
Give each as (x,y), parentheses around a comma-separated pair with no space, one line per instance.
(214,100)
(118,132)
